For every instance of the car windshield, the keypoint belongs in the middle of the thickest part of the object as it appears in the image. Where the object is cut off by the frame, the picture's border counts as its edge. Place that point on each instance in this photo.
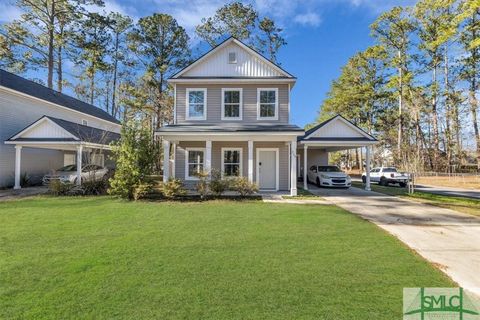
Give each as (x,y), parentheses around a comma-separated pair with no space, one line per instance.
(329,169)
(70,167)
(389,170)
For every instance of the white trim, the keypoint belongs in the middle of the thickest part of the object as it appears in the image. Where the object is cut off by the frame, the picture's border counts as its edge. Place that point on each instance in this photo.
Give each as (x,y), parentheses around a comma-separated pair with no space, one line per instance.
(76,143)
(242,45)
(250,160)
(348,123)
(289,88)
(223,159)
(187,107)
(339,143)
(276,103)
(219,134)
(277,171)
(240,117)
(187,150)
(39,121)
(57,105)
(213,80)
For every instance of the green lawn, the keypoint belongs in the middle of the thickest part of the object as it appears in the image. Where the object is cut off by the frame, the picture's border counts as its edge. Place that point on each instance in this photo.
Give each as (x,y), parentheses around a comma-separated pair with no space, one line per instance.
(99,258)
(461,204)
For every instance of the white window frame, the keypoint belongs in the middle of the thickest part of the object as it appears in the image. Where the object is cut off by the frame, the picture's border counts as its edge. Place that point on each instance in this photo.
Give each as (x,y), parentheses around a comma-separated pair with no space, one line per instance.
(276,103)
(187,107)
(187,150)
(240,117)
(223,160)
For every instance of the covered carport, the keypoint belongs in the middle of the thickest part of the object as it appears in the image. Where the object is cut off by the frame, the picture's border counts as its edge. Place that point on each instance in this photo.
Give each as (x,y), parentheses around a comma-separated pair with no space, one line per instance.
(335,134)
(57,134)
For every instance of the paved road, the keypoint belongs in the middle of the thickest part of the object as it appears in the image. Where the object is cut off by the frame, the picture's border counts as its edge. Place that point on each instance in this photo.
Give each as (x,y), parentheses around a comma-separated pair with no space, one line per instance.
(447,191)
(449,239)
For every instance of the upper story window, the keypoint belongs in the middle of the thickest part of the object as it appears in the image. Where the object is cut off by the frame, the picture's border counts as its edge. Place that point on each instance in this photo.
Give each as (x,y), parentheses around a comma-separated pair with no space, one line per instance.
(232,57)
(231,104)
(267,104)
(196,104)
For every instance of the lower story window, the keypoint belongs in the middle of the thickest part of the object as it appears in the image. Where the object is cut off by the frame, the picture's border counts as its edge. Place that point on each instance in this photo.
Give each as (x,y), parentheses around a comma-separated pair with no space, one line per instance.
(195,162)
(232,162)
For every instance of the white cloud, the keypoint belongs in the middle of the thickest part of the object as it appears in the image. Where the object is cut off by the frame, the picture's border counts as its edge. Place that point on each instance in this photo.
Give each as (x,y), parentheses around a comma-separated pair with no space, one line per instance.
(9,12)
(308,19)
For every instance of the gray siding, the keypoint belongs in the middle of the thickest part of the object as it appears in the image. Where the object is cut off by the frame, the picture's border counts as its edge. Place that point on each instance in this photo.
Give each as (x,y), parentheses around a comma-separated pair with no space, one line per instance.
(284,171)
(214,103)
(17,112)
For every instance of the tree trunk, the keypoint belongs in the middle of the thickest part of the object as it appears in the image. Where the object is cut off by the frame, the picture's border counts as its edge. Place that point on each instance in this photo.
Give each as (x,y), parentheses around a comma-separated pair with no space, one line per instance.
(114,85)
(473,109)
(435,117)
(400,106)
(448,115)
(51,36)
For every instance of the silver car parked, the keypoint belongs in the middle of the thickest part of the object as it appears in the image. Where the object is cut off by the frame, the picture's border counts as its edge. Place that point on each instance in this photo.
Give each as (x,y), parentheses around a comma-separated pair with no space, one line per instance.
(68,174)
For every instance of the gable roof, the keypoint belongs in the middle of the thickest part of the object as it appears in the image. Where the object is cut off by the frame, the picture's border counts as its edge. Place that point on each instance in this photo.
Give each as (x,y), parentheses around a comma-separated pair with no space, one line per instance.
(73,132)
(22,85)
(362,134)
(280,72)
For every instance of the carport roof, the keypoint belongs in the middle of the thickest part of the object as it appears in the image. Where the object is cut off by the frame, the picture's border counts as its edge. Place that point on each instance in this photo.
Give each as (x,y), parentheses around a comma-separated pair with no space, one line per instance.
(337,129)
(72,132)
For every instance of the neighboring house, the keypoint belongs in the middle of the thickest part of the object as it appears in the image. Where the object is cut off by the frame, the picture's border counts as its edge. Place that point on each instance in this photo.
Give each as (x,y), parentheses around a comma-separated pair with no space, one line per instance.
(42,130)
(232,113)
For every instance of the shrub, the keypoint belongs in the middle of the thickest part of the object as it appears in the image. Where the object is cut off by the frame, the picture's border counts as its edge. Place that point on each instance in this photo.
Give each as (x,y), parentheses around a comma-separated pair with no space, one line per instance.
(202,184)
(218,185)
(243,186)
(173,188)
(95,187)
(135,154)
(58,188)
(141,190)
(25,179)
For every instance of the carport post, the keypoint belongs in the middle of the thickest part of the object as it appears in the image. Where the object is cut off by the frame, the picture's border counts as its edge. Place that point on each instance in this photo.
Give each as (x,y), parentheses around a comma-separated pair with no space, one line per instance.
(293,167)
(367,169)
(18,162)
(79,164)
(305,152)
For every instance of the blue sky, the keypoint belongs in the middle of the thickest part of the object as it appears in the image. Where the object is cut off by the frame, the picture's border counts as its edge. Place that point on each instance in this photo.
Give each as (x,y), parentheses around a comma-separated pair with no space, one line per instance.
(321,35)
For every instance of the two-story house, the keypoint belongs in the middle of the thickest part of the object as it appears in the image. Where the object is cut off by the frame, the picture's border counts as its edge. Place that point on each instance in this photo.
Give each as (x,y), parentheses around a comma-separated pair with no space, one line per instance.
(232,113)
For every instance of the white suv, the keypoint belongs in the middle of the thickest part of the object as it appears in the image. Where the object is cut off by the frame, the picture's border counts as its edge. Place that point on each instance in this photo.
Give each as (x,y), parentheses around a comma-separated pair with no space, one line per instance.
(386,175)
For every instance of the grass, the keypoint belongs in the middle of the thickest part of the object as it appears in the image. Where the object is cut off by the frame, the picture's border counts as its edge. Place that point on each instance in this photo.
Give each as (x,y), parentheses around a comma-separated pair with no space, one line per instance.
(100,258)
(303,194)
(465,205)
(467,182)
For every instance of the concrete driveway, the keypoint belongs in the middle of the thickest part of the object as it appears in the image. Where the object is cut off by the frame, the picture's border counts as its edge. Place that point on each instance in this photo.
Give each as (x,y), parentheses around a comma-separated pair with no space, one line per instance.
(448,239)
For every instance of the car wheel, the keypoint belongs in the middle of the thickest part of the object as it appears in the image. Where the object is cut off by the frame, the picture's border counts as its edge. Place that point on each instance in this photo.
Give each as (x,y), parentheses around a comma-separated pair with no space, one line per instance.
(318,182)
(364,179)
(383,182)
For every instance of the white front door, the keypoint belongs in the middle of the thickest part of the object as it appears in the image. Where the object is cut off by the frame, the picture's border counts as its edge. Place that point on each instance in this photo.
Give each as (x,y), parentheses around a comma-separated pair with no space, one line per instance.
(267,169)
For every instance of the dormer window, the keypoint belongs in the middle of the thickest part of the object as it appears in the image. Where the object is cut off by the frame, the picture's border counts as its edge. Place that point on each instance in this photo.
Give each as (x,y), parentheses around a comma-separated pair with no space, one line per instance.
(232,57)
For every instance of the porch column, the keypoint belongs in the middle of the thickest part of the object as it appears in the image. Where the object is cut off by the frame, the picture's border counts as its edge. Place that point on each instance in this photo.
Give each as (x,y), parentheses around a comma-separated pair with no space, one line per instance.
(18,162)
(305,171)
(79,164)
(250,161)
(174,147)
(208,156)
(166,160)
(367,169)
(293,169)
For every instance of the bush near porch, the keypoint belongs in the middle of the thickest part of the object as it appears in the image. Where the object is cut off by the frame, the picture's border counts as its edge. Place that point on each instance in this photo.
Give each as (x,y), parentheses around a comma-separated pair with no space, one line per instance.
(97,257)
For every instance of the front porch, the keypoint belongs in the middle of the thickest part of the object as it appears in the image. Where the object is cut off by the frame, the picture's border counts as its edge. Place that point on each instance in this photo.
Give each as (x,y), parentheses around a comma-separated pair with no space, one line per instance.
(265,155)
